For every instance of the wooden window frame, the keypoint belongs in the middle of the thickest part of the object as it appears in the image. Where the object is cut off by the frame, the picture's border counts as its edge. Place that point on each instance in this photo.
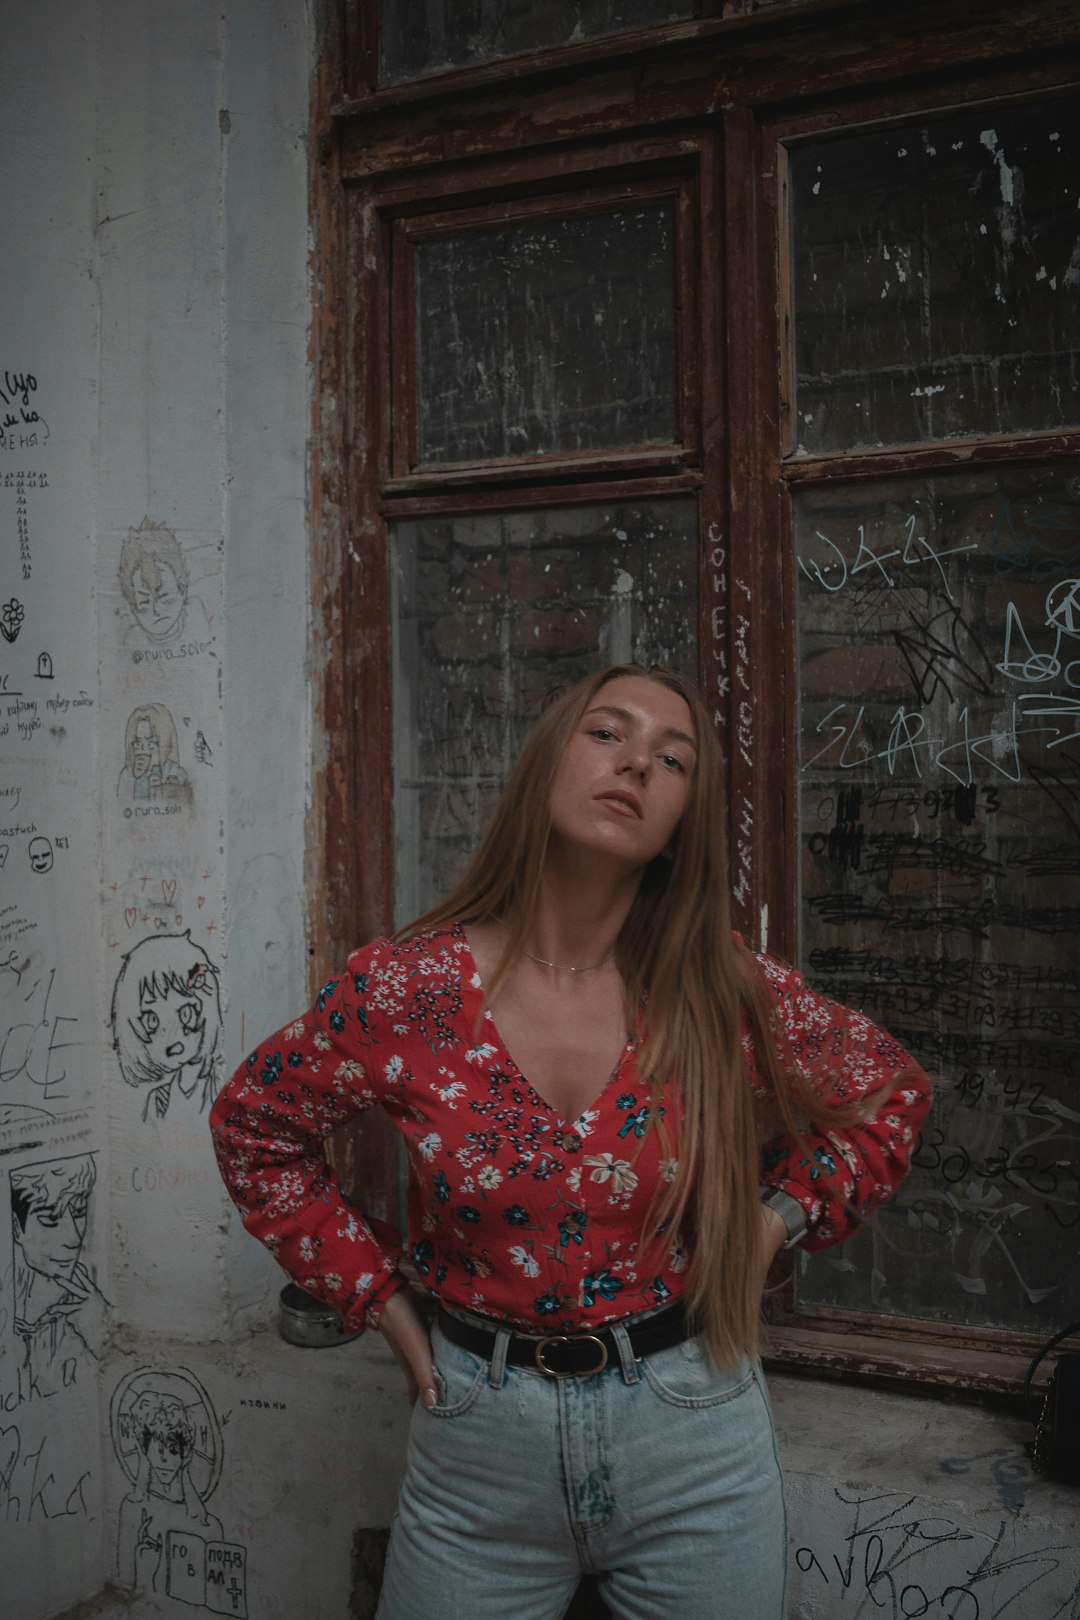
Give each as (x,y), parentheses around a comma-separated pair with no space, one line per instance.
(917,1351)
(719,96)
(409,475)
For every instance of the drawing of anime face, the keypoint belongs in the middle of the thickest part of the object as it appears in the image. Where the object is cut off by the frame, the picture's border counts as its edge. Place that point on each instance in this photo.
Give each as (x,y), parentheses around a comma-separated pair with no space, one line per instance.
(154,579)
(150,739)
(158,598)
(172,1026)
(49,1205)
(166,1016)
(164,1436)
(165,1454)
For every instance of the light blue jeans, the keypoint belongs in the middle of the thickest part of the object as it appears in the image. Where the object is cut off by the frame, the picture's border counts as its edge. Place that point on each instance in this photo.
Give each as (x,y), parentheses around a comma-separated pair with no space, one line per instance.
(660,1476)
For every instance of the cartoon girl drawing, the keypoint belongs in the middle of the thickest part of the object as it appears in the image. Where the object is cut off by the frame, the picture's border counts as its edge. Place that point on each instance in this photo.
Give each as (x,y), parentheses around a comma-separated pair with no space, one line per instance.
(152,769)
(166,1021)
(157,1438)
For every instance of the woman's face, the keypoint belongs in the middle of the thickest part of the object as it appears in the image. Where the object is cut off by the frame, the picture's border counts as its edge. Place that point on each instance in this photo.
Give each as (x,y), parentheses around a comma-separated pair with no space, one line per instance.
(624,780)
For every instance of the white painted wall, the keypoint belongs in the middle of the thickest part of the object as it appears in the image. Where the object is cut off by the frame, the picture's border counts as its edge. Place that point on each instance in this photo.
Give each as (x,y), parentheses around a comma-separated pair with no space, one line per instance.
(153,283)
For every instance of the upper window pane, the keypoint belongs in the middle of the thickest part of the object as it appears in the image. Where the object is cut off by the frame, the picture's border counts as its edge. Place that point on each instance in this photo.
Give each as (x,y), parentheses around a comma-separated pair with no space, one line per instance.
(547,336)
(937,279)
(429,36)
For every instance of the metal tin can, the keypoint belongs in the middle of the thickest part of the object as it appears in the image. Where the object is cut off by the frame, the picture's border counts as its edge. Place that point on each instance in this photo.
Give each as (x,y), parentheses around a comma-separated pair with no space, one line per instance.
(307,1322)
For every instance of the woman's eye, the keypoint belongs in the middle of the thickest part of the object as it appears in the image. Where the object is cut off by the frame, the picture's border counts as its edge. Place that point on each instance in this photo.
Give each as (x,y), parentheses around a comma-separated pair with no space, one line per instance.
(672,761)
(602,733)
(150,1023)
(189,1016)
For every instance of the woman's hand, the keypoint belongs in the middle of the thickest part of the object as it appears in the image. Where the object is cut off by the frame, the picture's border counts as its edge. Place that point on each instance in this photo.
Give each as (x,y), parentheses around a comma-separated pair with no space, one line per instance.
(404,1329)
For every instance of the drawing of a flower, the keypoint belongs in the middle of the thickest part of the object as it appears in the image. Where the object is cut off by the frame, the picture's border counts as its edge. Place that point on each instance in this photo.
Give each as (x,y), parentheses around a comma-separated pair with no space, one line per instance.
(11,618)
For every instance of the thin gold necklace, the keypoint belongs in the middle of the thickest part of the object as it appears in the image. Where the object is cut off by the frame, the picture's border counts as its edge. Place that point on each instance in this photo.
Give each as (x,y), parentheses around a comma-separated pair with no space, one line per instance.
(543,961)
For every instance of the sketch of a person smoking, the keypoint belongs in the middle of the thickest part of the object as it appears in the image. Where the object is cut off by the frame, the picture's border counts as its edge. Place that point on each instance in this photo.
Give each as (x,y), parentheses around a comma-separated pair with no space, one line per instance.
(58,1306)
(152,769)
(154,579)
(163,1495)
(166,1022)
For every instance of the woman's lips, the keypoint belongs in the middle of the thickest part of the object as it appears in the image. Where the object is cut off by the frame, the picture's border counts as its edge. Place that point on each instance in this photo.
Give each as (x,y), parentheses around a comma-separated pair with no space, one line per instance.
(624,804)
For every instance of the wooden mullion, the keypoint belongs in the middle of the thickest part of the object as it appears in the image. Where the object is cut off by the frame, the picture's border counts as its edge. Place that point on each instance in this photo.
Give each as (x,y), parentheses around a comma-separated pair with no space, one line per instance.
(638,157)
(758,627)
(361,45)
(550,204)
(946,455)
(403,415)
(366,642)
(525,497)
(687,320)
(641,44)
(358,884)
(714,646)
(436,476)
(974,1364)
(979,53)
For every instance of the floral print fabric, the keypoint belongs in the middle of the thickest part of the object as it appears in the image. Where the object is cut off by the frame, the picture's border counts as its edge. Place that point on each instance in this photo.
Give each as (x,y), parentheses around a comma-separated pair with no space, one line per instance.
(514,1213)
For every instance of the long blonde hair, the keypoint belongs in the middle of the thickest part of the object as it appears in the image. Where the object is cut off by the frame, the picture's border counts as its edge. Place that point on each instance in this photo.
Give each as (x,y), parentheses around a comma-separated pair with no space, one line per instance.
(688,982)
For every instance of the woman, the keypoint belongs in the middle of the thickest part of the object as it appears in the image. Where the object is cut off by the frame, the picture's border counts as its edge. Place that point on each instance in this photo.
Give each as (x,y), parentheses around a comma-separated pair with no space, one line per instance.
(598,1085)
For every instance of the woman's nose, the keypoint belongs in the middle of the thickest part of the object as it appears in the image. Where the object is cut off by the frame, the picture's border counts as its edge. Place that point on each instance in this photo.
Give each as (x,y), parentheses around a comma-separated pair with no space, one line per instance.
(635,760)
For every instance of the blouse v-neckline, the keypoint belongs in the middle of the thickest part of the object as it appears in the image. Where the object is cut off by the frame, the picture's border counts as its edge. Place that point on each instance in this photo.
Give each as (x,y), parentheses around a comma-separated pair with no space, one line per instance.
(474,984)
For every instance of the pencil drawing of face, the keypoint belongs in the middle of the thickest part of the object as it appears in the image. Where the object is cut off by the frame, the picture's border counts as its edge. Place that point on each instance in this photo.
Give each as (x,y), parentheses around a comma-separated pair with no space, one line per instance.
(165,1439)
(154,578)
(166,1019)
(150,739)
(49,1203)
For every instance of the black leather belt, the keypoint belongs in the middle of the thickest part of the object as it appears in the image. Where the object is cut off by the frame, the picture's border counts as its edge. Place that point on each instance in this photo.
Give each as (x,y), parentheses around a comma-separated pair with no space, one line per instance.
(571,1355)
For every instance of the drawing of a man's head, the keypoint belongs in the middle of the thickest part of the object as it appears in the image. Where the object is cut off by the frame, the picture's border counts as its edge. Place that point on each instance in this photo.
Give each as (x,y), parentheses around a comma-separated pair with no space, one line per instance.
(49,1204)
(166,1012)
(150,739)
(165,1438)
(164,1432)
(154,578)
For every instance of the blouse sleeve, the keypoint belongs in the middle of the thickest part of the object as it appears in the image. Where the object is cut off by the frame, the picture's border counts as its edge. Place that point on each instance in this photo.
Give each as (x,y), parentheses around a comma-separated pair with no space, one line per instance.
(843,1175)
(269,1124)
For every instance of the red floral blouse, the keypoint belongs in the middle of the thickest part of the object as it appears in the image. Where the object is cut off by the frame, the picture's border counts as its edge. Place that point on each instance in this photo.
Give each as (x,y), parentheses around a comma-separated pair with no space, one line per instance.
(514,1212)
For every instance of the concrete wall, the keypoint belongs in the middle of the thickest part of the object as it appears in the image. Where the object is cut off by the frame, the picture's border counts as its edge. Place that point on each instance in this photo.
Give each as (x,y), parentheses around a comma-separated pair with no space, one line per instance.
(155,747)
(152,495)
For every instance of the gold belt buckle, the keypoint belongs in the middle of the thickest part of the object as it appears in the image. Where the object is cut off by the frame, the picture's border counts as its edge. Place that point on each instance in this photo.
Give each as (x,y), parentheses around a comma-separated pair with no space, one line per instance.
(571,1338)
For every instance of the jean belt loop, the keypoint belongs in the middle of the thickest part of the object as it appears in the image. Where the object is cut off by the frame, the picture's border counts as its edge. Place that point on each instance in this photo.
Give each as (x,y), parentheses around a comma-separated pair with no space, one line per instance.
(497,1370)
(627,1360)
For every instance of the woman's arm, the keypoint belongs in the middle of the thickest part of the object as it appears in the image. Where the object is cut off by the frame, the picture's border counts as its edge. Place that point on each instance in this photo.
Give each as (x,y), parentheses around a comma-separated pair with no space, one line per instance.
(269,1125)
(842,1175)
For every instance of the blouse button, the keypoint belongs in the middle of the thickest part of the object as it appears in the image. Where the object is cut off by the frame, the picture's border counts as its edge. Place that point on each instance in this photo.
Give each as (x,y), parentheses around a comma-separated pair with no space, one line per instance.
(569,1302)
(571,1142)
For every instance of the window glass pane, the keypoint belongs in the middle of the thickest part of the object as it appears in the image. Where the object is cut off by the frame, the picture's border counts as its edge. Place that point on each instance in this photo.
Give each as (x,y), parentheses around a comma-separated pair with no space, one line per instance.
(938,628)
(428,36)
(547,336)
(492,614)
(937,278)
